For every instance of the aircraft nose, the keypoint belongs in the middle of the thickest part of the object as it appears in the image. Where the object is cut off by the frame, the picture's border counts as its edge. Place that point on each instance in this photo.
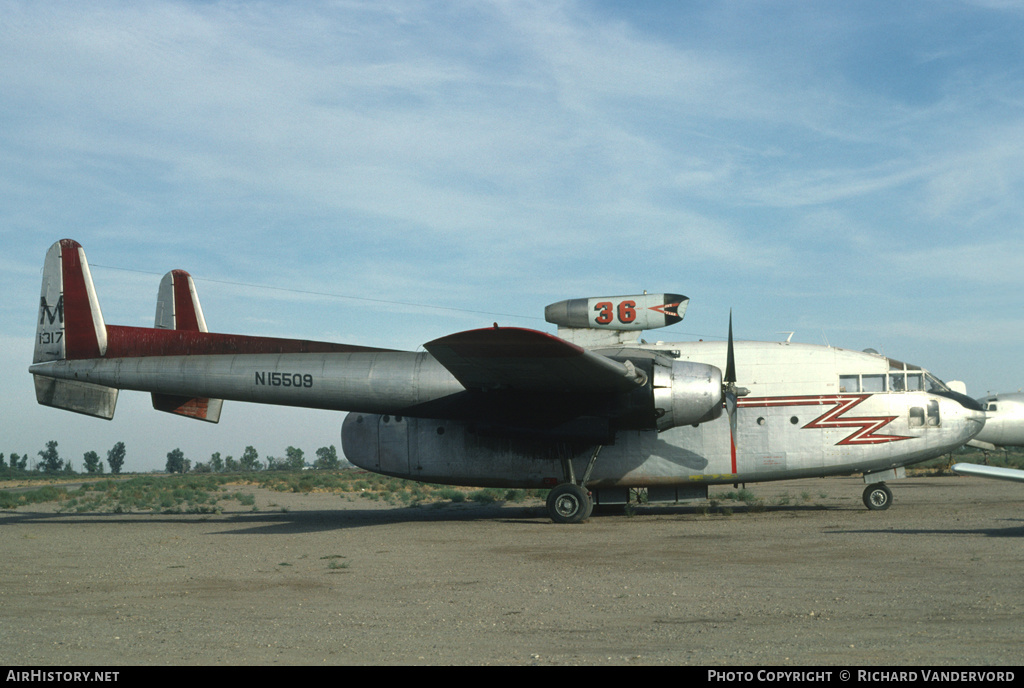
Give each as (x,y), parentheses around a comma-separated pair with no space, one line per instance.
(969,414)
(970,410)
(974,420)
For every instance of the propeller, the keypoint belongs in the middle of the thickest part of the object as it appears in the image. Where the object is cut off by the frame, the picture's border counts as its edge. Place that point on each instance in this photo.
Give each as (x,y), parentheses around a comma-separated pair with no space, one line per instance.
(730,392)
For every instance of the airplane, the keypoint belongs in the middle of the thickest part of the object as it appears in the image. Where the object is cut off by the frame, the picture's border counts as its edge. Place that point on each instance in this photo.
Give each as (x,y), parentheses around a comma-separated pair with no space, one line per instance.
(591,413)
(1004,422)
(1004,427)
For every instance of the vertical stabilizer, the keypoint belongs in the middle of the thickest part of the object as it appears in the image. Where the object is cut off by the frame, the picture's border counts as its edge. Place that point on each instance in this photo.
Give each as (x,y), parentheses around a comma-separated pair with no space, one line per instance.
(177,308)
(70,322)
(70,326)
(177,304)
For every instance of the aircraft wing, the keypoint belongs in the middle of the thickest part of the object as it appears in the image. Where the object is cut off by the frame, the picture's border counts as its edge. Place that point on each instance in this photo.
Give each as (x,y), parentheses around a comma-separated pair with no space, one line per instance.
(989,471)
(509,358)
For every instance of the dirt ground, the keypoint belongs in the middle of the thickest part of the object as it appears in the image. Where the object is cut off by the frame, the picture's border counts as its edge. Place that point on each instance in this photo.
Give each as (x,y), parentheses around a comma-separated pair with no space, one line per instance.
(812,578)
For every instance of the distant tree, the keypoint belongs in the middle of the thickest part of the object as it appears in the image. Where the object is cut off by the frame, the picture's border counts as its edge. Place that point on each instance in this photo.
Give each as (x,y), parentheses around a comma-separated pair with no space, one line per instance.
(52,463)
(250,460)
(295,459)
(3,464)
(115,457)
(216,463)
(230,465)
(17,462)
(201,468)
(327,458)
(175,461)
(92,462)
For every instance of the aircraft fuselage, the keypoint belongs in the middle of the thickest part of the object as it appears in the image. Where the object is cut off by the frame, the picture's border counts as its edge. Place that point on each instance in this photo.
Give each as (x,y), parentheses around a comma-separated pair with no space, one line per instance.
(1004,421)
(810,412)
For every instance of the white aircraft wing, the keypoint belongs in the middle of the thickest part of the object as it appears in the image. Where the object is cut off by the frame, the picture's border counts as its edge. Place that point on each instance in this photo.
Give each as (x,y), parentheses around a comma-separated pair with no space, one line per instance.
(989,471)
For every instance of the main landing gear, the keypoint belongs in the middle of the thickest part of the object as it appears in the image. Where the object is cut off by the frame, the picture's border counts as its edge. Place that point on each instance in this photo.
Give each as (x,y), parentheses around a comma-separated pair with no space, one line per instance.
(570,502)
(877,496)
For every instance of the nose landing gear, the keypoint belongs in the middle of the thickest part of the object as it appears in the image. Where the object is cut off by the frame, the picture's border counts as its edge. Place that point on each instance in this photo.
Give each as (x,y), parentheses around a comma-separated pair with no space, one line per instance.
(877,496)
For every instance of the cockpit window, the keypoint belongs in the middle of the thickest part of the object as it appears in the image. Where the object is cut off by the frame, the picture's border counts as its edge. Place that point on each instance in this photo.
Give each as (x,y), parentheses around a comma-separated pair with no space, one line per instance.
(901,378)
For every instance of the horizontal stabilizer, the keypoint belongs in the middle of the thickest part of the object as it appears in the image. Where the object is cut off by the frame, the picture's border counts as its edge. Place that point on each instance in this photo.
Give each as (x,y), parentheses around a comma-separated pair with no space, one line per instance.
(199,408)
(80,397)
(528,360)
(177,308)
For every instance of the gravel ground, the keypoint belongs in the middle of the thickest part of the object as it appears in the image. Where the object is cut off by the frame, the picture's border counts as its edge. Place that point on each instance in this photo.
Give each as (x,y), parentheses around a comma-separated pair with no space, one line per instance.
(813,578)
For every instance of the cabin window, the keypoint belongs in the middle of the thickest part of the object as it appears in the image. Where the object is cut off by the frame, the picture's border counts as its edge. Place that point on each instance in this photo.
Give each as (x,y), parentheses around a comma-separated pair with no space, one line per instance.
(915,382)
(990,407)
(933,413)
(872,383)
(916,416)
(849,383)
(897,382)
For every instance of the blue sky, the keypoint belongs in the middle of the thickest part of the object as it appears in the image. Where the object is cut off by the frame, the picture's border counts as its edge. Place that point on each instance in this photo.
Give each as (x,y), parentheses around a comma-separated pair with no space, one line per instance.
(387,173)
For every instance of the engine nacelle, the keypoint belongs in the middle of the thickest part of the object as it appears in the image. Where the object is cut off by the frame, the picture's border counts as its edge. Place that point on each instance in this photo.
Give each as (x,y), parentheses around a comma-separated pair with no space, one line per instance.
(685,393)
(640,312)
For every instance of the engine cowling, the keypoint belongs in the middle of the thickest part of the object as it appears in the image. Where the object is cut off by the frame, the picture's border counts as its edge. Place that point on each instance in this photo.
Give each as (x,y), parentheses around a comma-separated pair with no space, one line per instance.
(685,393)
(639,312)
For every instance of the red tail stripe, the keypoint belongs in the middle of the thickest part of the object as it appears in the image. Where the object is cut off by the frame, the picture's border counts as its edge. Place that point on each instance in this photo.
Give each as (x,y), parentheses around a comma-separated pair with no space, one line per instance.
(184,307)
(80,331)
(136,342)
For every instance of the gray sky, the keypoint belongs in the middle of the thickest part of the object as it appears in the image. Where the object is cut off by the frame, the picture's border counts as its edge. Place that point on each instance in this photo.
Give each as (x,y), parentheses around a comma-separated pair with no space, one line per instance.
(387,173)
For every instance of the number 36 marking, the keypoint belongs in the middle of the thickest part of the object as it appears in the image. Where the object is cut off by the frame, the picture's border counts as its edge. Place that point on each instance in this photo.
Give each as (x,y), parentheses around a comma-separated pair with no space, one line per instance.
(606,312)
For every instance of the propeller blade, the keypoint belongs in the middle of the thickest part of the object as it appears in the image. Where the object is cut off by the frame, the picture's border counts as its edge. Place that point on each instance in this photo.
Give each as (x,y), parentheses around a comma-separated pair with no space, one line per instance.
(730,361)
(730,409)
(730,392)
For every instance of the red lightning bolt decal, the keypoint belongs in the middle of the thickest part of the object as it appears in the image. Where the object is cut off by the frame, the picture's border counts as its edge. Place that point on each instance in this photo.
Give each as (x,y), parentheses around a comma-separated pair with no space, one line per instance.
(867,426)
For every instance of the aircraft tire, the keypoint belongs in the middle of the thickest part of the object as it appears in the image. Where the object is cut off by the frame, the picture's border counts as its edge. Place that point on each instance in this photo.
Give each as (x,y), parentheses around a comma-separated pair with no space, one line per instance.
(569,503)
(877,497)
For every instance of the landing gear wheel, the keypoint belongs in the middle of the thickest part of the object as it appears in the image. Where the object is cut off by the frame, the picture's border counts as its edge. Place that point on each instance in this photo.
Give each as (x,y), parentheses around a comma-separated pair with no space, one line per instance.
(877,497)
(569,503)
